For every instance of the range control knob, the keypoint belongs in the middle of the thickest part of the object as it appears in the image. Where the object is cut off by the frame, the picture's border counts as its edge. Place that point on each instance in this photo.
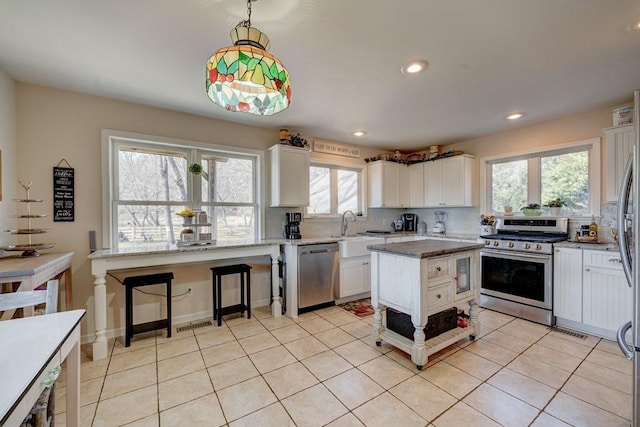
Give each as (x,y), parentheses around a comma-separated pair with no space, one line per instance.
(538,246)
(496,243)
(487,242)
(510,244)
(527,246)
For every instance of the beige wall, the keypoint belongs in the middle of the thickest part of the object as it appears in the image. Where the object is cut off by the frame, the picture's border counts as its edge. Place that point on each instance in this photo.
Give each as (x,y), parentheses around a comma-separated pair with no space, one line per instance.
(561,131)
(8,153)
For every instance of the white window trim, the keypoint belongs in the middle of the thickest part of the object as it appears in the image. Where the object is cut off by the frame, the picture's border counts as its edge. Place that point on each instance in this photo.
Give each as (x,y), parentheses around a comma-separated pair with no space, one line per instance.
(594,171)
(317,159)
(109,137)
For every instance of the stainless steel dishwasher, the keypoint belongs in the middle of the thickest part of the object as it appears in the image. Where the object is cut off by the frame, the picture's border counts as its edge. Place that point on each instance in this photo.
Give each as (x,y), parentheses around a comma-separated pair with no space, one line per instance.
(318,275)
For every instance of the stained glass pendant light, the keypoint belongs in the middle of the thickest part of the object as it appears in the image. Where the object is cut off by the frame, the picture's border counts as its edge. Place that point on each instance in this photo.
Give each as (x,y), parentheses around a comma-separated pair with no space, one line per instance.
(245,77)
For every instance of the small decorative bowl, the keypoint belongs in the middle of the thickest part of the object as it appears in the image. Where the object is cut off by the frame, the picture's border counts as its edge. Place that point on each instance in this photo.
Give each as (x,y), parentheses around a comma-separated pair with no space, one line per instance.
(531,212)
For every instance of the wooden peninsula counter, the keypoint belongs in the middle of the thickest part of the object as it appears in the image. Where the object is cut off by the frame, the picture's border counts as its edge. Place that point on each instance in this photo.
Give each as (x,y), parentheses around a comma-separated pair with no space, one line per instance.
(422,278)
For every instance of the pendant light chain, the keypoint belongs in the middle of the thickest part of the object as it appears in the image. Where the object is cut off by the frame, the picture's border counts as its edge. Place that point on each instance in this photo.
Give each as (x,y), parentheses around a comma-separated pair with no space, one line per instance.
(249,13)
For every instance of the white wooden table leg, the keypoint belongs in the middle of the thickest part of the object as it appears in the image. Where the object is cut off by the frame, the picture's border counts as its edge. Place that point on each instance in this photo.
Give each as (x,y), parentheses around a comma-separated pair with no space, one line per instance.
(100,348)
(73,383)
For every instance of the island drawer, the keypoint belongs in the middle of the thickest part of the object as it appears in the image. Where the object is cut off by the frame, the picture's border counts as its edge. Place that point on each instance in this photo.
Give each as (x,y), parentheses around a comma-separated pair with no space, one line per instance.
(439,296)
(603,259)
(438,267)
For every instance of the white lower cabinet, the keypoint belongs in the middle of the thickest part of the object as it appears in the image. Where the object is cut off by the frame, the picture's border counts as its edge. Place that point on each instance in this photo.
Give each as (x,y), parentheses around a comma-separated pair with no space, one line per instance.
(590,291)
(607,300)
(355,276)
(567,283)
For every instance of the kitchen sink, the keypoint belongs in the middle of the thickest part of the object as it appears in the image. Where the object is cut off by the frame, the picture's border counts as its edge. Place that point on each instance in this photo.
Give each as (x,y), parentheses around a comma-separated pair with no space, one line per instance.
(357,245)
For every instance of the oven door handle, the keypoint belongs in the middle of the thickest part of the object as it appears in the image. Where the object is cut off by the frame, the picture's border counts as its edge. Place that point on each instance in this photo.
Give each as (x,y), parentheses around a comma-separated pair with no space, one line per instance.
(514,254)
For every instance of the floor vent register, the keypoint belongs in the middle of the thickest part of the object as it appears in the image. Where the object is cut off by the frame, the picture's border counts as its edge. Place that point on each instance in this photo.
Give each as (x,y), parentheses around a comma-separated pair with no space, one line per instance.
(194,326)
(568,332)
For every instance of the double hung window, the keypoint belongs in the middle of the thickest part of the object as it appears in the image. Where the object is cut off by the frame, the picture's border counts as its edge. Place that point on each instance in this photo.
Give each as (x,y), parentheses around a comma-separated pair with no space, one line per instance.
(570,172)
(149,180)
(334,189)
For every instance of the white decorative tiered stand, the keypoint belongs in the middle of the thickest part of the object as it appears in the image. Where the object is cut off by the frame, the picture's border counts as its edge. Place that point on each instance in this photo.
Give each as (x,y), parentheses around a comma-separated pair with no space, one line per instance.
(30,248)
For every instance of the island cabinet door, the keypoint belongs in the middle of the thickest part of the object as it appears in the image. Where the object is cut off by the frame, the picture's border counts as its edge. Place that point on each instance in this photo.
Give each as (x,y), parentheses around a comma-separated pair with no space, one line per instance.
(465,275)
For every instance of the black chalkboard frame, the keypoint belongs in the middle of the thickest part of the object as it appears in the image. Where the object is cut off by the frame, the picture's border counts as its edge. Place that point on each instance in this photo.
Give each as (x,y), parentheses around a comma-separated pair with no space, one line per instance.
(63,194)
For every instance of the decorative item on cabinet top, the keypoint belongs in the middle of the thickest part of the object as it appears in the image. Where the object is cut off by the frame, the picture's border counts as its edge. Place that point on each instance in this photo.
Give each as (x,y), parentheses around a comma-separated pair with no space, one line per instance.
(409,159)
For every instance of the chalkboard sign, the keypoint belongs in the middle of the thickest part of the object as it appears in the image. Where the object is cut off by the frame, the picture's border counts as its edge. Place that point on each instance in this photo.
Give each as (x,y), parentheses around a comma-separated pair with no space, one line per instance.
(63,195)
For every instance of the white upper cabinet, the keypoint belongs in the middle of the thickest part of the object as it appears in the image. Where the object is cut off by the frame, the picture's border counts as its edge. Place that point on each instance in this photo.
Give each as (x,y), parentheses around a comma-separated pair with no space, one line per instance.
(387,185)
(449,182)
(415,184)
(289,176)
(619,144)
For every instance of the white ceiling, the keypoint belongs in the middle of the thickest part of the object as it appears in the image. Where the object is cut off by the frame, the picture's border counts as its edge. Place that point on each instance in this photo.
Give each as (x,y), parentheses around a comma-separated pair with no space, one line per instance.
(488,58)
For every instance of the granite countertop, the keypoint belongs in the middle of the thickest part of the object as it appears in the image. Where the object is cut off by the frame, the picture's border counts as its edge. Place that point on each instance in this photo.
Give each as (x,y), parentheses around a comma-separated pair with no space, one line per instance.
(597,246)
(425,248)
(165,248)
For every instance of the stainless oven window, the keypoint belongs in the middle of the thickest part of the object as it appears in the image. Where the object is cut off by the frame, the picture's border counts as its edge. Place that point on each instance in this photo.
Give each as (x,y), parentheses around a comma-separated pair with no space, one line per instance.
(522,276)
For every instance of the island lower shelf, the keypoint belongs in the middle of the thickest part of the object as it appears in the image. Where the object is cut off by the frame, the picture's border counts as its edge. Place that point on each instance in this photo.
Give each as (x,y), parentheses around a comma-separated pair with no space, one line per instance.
(432,345)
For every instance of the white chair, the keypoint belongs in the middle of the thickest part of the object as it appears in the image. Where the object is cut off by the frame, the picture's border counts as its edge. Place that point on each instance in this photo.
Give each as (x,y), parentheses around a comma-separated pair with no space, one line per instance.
(21,299)
(42,413)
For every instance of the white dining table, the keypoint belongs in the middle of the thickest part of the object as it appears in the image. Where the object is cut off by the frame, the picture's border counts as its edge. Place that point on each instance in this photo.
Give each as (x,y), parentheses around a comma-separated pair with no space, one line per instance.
(31,352)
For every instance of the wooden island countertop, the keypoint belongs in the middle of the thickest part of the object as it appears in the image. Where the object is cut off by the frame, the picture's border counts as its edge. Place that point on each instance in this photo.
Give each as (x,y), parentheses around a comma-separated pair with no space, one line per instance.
(425,248)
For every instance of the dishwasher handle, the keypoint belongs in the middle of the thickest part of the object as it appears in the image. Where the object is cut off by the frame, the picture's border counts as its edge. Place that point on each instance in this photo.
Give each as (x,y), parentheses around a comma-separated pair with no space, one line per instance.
(318,249)
(321,251)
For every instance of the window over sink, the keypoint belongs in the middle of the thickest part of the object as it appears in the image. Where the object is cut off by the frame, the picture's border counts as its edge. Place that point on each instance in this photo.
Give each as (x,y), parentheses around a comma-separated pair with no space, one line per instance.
(569,172)
(334,189)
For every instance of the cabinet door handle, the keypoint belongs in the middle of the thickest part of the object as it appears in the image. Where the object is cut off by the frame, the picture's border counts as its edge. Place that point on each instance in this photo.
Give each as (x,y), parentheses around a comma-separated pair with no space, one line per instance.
(557,250)
(587,269)
(439,296)
(616,260)
(438,269)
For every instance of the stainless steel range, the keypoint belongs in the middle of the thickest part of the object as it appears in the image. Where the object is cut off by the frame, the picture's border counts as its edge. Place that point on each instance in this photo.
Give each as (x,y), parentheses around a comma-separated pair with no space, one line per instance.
(517,266)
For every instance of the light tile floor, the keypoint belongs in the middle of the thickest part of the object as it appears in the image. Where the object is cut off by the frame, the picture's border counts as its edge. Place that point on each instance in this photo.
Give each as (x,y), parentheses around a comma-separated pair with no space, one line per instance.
(324,369)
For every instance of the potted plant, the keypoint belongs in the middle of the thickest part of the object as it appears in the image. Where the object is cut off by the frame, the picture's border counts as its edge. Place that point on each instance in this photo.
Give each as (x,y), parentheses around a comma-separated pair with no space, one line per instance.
(298,141)
(187,215)
(555,206)
(532,209)
(195,168)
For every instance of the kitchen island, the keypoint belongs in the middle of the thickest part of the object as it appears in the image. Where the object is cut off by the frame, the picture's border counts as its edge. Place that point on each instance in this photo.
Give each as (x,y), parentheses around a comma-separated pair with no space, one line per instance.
(420,279)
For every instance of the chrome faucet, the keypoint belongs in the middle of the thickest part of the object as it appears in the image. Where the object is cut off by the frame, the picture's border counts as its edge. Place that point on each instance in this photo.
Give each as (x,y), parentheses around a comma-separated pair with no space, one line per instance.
(345,224)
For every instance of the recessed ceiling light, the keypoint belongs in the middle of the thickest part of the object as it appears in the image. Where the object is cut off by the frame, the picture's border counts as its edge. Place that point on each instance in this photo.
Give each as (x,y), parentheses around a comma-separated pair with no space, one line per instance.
(359,133)
(634,26)
(515,116)
(414,67)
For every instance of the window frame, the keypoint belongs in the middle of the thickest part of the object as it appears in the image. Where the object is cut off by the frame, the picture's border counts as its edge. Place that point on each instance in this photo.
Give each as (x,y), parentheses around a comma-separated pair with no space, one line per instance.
(333,164)
(591,145)
(111,139)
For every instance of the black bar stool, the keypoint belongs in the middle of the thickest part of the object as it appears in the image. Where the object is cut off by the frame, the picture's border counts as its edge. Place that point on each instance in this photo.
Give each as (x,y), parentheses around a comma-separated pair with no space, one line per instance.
(244,271)
(138,281)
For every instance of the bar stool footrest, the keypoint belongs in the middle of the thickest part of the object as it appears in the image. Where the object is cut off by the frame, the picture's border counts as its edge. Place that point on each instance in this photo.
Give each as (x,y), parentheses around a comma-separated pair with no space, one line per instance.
(150,326)
(238,308)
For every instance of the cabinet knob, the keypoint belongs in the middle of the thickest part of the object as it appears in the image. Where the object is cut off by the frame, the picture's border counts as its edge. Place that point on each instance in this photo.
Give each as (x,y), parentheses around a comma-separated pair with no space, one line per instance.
(365,263)
(557,250)
(438,269)
(439,296)
(587,269)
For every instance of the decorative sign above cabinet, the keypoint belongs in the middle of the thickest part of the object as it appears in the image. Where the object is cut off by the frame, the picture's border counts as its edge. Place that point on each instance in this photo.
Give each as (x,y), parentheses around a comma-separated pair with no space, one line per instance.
(337,149)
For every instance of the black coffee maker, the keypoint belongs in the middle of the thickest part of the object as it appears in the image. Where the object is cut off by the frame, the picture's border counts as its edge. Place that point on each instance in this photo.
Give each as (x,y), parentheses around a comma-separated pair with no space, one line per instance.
(410,221)
(292,227)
